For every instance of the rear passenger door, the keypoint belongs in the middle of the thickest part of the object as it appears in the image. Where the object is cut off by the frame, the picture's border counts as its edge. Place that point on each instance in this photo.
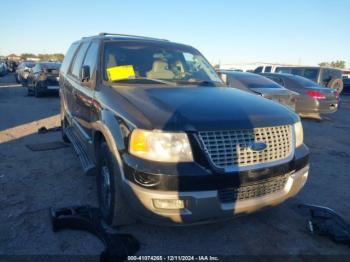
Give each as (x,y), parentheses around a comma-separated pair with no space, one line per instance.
(66,89)
(83,91)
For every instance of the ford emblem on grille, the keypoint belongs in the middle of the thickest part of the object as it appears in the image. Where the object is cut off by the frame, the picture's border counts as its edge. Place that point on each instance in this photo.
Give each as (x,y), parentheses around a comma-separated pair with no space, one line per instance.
(257,146)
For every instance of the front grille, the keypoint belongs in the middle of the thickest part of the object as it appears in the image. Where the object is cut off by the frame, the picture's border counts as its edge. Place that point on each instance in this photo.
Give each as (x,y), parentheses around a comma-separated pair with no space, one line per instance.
(254,190)
(231,149)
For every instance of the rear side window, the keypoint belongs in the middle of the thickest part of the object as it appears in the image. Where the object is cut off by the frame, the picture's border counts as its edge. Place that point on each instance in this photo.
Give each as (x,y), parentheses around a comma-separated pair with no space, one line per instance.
(328,74)
(282,70)
(78,60)
(297,71)
(268,69)
(68,57)
(277,80)
(311,73)
(91,57)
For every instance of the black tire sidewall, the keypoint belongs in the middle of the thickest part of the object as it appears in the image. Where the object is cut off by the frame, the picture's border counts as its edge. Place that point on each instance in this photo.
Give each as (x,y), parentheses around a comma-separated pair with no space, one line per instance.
(105,156)
(37,92)
(63,130)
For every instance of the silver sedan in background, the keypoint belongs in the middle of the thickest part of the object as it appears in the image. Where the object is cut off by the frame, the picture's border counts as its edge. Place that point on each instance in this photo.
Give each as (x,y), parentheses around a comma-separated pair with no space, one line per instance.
(313,99)
(23,70)
(259,85)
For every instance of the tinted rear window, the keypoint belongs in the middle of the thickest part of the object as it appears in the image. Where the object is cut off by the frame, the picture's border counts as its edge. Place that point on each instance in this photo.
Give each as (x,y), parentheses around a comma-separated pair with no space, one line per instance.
(50,65)
(255,81)
(311,73)
(304,81)
(29,64)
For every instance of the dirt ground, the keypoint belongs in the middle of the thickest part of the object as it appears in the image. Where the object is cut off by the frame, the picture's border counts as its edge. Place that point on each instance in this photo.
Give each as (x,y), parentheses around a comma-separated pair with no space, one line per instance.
(32,182)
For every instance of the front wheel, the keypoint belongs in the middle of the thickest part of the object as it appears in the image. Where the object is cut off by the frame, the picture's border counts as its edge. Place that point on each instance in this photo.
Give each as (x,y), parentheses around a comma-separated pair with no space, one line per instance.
(112,204)
(63,131)
(37,92)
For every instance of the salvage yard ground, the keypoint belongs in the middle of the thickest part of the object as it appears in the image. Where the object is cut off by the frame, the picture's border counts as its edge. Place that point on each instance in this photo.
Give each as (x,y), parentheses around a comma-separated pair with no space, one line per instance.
(32,182)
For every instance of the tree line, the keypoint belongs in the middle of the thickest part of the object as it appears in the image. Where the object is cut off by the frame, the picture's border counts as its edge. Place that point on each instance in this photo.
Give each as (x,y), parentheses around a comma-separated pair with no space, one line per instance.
(43,57)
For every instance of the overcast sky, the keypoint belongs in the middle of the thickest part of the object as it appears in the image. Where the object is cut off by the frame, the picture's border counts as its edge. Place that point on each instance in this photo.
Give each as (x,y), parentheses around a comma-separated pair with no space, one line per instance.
(298,31)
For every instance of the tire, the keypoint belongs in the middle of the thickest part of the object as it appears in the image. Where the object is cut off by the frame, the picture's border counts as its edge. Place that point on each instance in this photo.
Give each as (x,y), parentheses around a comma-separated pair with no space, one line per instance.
(337,84)
(17,79)
(29,92)
(63,131)
(114,210)
(37,92)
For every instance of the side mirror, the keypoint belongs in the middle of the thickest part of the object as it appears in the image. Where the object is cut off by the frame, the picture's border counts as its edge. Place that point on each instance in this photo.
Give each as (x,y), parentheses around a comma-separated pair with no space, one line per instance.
(85,73)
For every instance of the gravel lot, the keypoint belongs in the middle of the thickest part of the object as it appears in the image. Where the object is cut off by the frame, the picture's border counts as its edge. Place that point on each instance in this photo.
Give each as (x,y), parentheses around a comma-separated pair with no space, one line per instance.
(32,182)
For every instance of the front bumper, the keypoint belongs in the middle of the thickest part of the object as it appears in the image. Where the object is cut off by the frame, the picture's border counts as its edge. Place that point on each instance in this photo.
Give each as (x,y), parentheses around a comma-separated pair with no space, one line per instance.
(205,206)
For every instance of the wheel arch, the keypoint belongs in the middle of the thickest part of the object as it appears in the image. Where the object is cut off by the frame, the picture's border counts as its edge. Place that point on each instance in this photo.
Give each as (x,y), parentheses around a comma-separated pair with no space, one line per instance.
(109,130)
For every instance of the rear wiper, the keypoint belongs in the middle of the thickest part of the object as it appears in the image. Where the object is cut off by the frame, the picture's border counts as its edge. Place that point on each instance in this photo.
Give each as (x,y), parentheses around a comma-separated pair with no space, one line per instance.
(141,79)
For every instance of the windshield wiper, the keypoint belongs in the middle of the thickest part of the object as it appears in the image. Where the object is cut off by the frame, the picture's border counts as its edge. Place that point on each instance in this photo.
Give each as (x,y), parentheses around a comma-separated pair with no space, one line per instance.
(144,79)
(198,82)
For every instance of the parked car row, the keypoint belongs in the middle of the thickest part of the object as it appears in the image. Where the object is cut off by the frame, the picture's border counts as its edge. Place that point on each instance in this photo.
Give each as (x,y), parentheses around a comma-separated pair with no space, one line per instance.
(38,77)
(43,78)
(300,94)
(324,76)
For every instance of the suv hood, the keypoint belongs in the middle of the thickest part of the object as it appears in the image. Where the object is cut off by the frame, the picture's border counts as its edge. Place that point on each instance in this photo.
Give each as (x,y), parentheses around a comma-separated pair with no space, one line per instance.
(203,108)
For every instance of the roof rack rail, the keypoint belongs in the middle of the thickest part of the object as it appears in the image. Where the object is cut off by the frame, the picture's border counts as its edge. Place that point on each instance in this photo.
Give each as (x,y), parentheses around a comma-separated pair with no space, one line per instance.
(135,36)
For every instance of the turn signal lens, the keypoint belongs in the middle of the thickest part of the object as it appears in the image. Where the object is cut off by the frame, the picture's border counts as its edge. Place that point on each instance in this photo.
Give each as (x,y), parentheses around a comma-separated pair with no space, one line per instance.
(138,141)
(168,203)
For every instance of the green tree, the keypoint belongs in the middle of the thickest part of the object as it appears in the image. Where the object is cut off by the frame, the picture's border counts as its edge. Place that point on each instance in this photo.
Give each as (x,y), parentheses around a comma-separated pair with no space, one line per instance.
(337,64)
(24,56)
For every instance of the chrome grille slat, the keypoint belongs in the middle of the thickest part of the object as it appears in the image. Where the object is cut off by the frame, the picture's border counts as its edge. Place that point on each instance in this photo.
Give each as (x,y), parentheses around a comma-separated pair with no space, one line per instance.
(254,190)
(230,148)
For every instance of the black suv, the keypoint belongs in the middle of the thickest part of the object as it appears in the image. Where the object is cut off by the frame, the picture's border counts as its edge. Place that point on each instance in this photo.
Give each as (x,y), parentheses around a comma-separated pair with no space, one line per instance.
(324,76)
(167,141)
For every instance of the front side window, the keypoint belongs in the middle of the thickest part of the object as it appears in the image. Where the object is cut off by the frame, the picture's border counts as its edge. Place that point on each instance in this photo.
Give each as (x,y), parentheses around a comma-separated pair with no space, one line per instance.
(175,64)
(91,57)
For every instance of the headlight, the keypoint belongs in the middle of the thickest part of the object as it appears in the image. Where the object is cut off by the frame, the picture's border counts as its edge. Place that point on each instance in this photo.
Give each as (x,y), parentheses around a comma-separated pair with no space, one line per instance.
(299,135)
(160,146)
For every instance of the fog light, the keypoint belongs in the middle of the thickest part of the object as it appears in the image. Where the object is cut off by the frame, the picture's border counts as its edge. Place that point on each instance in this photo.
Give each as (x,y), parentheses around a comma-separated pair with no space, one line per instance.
(168,203)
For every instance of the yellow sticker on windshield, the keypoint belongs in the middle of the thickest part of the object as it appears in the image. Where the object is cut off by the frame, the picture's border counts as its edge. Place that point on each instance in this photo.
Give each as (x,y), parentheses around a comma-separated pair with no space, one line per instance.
(120,72)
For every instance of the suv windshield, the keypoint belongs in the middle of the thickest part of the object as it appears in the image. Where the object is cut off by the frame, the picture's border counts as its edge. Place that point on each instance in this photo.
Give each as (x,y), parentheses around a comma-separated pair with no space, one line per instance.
(159,62)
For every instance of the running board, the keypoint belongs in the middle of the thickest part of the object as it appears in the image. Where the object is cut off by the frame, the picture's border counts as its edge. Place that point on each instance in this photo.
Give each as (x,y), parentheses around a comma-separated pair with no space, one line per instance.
(88,165)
